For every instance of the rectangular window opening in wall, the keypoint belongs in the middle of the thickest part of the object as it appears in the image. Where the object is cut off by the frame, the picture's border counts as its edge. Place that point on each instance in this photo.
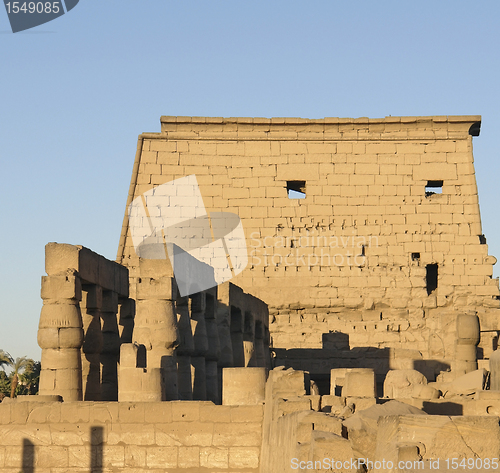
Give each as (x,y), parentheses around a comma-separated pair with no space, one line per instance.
(296,189)
(415,256)
(433,187)
(431,278)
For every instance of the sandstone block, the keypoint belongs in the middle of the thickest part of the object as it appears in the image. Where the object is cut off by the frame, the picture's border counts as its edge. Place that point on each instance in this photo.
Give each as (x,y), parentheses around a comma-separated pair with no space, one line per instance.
(68,434)
(213,413)
(244,457)
(364,168)
(158,412)
(75,412)
(360,403)
(78,456)
(188,411)
(241,434)
(214,457)
(131,434)
(435,172)
(337,380)
(400,384)
(327,448)
(184,433)
(495,370)
(162,457)
(467,384)
(422,391)
(288,406)
(333,404)
(37,434)
(246,413)
(61,257)
(362,426)
(188,457)
(60,359)
(359,382)
(135,456)
(60,316)
(160,288)
(294,172)
(52,457)
(130,413)
(243,386)
(438,436)
(66,286)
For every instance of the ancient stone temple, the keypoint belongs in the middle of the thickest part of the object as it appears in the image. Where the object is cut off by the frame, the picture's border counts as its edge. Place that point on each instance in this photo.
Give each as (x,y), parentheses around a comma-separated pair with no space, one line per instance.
(374,225)
(288,295)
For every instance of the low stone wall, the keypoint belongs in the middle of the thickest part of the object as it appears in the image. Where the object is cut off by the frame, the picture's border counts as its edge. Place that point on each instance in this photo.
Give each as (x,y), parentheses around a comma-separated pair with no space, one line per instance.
(173,437)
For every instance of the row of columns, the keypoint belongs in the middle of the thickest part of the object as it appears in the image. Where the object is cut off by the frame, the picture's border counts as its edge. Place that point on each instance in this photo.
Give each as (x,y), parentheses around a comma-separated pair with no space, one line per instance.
(97,344)
(190,339)
(80,338)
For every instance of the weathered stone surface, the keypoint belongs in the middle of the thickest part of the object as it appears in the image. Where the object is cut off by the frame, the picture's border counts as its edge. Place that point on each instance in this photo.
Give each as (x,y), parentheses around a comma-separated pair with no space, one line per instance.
(400,384)
(466,384)
(243,386)
(421,391)
(362,426)
(388,275)
(327,448)
(438,437)
(359,383)
(358,271)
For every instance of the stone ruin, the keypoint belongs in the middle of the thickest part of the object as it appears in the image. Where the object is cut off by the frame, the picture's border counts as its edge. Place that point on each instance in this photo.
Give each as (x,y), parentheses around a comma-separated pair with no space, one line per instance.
(362,335)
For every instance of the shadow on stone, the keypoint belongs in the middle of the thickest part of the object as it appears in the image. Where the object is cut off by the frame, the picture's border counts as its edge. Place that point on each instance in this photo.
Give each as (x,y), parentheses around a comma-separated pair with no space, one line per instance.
(28,457)
(443,408)
(96,449)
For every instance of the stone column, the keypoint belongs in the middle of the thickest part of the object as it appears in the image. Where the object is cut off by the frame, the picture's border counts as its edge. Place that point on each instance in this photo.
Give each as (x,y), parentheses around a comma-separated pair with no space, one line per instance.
(213,353)
(111,346)
(126,320)
(222,317)
(92,342)
(467,340)
(156,321)
(199,329)
(495,370)
(237,337)
(260,350)
(137,384)
(184,350)
(249,340)
(267,346)
(60,336)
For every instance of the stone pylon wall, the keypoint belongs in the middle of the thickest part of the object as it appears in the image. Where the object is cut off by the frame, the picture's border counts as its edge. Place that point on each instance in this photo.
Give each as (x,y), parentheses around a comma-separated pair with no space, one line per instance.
(387,202)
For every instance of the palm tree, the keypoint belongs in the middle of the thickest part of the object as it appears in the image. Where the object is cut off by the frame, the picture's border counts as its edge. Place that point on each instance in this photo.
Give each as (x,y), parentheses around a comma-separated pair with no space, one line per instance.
(30,378)
(4,385)
(19,365)
(5,359)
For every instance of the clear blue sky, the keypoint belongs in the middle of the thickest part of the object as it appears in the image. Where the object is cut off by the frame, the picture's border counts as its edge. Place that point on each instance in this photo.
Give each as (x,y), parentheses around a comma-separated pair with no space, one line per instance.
(77,91)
